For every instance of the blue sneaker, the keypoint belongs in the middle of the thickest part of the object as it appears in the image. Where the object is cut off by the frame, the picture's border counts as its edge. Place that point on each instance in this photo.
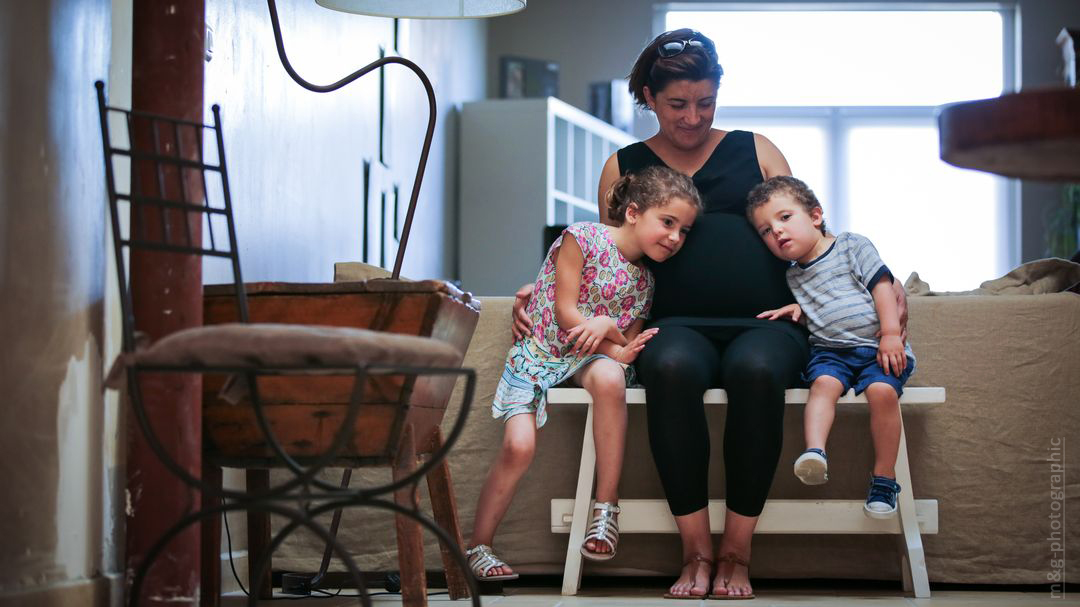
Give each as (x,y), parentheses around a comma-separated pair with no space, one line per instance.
(881,499)
(812,467)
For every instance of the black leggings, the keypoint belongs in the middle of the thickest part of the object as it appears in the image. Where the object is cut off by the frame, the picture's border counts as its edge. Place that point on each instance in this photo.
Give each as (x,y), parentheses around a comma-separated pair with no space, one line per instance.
(755,366)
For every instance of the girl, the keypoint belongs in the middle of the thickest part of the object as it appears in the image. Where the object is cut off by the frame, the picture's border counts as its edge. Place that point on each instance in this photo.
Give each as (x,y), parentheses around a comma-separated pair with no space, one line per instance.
(591,298)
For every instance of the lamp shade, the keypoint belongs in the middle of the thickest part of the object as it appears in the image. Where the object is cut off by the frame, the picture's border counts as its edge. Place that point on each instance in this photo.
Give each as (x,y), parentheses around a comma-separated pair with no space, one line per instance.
(426,9)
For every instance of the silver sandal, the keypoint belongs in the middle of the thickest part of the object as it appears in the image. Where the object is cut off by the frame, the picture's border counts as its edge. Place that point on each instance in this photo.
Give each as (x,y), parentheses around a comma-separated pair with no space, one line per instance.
(604,528)
(482,560)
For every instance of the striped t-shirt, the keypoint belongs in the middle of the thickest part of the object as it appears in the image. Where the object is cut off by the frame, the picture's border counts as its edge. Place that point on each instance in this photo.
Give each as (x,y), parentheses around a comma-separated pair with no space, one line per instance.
(834,293)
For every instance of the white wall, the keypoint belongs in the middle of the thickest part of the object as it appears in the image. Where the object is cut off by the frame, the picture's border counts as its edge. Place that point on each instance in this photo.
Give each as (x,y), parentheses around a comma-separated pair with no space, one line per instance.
(599,40)
(296,157)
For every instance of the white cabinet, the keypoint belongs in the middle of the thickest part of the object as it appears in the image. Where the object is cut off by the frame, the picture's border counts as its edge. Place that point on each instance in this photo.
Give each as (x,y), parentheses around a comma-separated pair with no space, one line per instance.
(525,164)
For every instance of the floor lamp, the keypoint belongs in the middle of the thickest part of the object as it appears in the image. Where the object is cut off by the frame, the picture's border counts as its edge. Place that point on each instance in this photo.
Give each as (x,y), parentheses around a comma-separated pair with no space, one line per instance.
(415,9)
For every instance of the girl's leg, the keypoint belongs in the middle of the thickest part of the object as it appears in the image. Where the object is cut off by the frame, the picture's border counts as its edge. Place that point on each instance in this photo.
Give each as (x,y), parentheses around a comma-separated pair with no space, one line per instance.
(884,427)
(606,382)
(676,367)
(821,411)
(518,448)
(757,366)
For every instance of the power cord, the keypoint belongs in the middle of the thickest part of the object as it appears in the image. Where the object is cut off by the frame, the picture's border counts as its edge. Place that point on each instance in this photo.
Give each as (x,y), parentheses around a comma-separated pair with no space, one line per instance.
(392,583)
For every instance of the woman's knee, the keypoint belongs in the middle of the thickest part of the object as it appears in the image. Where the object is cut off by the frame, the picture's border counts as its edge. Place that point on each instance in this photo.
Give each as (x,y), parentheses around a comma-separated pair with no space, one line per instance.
(752,371)
(763,359)
(677,355)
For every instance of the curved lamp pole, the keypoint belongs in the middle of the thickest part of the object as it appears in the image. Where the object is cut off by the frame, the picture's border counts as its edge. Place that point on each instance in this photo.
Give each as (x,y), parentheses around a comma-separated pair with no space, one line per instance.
(404,240)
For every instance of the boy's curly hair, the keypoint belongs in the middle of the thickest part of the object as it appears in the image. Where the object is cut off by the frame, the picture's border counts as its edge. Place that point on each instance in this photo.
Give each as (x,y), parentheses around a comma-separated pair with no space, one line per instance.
(791,186)
(653,186)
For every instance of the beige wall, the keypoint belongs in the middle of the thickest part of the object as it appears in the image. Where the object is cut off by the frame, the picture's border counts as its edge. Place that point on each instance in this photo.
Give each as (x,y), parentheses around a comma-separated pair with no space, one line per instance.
(600,39)
(53,277)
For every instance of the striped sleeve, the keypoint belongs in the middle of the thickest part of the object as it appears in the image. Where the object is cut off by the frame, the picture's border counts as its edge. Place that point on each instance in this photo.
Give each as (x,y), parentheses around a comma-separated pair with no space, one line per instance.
(866,262)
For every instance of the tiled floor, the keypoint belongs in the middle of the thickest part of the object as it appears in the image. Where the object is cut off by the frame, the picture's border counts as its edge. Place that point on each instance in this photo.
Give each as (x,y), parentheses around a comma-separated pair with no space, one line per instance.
(780,597)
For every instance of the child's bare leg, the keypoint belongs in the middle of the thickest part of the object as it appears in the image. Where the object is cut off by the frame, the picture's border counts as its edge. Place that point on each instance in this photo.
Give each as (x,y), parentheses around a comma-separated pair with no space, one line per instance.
(518,448)
(821,410)
(884,427)
(606,382)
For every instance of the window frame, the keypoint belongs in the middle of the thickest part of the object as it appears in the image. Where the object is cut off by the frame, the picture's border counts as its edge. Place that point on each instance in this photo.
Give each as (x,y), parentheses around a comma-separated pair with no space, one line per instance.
(838,119)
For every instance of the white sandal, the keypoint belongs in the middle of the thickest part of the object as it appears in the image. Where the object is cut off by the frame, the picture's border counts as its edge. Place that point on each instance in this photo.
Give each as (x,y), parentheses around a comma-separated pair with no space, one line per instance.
(482,560)
(604,528)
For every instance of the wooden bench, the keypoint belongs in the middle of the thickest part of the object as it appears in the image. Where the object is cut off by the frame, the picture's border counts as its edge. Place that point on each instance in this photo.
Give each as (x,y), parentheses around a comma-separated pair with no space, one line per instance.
(780,516)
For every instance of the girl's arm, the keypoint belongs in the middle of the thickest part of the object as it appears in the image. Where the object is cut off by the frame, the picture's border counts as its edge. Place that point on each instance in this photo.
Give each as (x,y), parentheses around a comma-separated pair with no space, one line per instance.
(635,341)
(891,355)
(589,334)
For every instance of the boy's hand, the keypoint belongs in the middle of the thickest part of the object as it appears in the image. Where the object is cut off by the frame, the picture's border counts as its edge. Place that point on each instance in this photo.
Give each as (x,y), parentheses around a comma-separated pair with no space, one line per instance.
(890,354)
(588,335)
(629,353)
(792,311)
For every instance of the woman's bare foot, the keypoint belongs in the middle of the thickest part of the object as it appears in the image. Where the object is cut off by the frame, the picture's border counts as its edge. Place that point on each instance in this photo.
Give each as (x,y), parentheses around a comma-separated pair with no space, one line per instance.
(732,576)
(694,580)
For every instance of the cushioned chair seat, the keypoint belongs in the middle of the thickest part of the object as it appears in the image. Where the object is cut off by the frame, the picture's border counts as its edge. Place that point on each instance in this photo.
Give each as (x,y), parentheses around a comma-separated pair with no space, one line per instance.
(267,346)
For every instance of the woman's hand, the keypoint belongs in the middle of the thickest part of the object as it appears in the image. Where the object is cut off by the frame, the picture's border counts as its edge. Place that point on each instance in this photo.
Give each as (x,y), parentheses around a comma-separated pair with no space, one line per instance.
(792,311)
(522,326)
(588,336)
(629,353)
(890,354)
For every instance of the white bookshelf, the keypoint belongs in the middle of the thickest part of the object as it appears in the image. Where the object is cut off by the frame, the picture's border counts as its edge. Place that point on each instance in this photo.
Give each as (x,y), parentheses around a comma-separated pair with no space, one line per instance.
(525,164)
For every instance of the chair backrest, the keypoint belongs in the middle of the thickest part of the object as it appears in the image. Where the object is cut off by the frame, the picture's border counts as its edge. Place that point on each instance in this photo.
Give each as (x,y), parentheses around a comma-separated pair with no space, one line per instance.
(170,210)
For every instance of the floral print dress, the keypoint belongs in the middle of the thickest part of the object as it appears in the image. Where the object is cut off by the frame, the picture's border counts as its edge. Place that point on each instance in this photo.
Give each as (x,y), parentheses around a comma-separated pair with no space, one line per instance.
(610,286)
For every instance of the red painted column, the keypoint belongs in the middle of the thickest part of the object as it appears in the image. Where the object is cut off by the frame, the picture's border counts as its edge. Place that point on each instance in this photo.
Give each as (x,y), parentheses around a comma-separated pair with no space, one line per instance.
(167,79)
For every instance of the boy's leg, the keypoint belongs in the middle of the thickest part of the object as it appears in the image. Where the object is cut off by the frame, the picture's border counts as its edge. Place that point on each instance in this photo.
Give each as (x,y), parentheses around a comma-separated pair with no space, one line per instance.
(884,427)
(821,410)
(518,448)
(812,467)
(605,381)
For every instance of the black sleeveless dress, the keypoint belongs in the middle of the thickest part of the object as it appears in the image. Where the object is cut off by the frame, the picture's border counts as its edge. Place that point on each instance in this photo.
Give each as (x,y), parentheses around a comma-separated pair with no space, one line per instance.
(724,275)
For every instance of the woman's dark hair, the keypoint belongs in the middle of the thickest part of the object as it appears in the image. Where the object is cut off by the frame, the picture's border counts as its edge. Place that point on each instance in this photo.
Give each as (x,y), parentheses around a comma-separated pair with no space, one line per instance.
(694,63)
(782,184)
(653,186)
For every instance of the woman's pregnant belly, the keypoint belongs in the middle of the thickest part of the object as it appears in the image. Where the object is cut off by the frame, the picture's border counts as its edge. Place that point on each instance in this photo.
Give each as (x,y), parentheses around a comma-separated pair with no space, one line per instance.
(723,270)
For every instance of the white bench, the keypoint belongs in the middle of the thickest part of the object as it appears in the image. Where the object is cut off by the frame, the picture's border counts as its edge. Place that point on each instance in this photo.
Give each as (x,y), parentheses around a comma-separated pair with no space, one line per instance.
(780,516)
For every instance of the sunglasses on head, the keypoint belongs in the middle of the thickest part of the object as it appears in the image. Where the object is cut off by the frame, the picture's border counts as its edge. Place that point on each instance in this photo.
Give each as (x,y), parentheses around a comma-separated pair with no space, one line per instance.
(674,47)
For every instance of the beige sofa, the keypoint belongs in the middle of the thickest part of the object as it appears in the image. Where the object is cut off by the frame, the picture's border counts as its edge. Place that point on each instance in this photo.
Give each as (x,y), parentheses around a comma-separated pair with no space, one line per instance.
(1011,367)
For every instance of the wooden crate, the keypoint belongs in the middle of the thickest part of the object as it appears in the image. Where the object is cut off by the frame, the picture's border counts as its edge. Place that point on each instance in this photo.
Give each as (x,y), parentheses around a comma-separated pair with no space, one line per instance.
(306,412)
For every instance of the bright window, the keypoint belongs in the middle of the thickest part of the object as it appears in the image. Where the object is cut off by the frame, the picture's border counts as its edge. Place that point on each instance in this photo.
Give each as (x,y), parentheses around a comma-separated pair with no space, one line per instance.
(850,98)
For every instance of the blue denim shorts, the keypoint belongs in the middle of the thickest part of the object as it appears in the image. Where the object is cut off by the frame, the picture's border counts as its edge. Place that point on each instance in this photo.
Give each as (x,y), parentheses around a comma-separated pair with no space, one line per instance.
(855,368)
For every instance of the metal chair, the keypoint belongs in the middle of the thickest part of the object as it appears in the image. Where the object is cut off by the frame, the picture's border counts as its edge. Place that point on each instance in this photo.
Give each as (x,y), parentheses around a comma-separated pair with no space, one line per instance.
(165,216)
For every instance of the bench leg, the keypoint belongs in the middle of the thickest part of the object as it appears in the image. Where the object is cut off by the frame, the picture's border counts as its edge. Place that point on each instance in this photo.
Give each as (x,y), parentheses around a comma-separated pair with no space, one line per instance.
(582,504)
(913,563)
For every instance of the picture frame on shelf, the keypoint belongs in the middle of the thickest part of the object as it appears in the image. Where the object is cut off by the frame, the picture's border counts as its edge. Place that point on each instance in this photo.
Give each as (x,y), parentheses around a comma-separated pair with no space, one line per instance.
(521,77)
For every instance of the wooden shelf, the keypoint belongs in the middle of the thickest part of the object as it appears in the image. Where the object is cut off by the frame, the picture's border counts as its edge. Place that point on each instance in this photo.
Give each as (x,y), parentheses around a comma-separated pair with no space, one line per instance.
(1030,135)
